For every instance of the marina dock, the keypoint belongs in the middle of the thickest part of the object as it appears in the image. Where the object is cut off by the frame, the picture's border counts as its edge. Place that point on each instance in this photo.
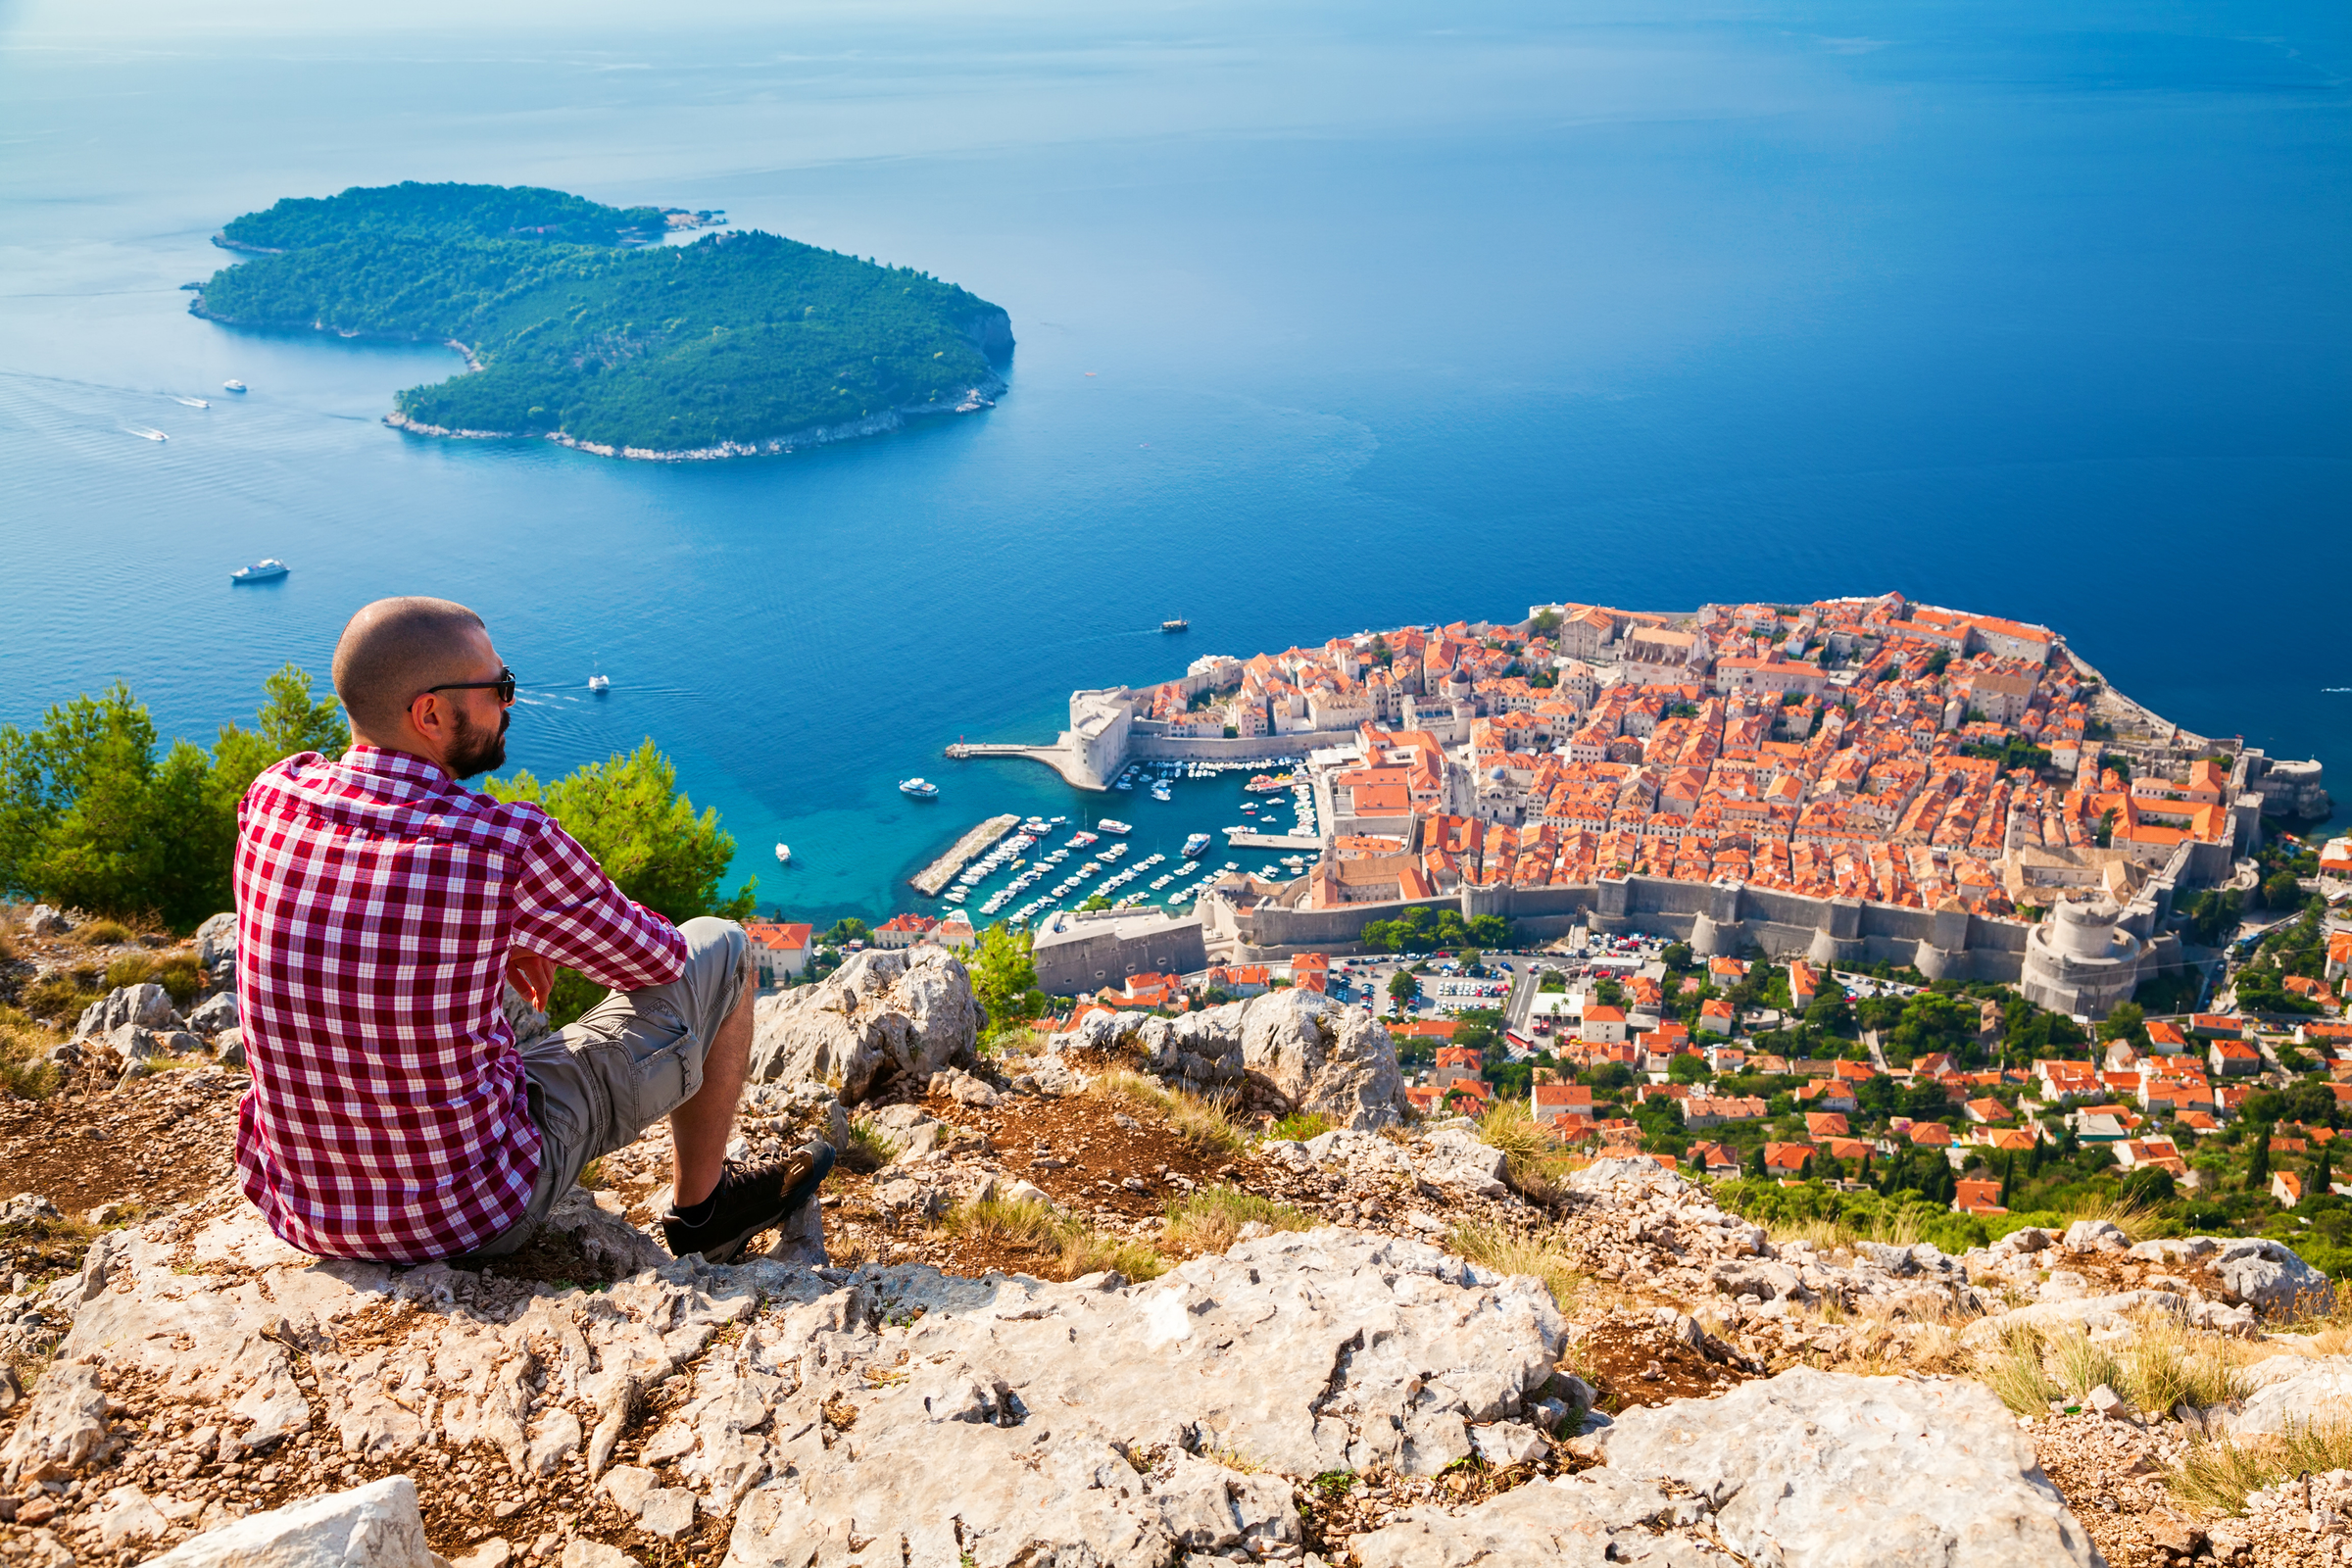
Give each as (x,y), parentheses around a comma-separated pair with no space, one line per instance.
(1273,841)
(933,879)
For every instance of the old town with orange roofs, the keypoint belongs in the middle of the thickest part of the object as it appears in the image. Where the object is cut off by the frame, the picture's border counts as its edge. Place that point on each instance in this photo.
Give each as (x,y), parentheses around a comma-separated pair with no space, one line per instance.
(1752,858)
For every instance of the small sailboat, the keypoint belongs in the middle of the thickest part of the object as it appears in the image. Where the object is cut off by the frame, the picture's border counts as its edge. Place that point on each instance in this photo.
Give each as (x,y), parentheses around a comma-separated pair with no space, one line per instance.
(783,855)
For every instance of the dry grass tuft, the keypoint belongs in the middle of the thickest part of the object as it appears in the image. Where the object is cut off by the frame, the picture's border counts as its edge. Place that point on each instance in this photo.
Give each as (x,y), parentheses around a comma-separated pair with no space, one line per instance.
(2013,1370)
(2134,1220)
(1509,1252)
(1205,1121)
(2170,1363)
(1076,1247)
(23,1075)
(1209,1220)
(103,934)
(2219,1475)
(2080,1363)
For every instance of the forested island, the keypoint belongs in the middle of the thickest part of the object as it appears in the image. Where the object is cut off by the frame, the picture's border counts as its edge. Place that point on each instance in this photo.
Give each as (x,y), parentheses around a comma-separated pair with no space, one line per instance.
(579,329)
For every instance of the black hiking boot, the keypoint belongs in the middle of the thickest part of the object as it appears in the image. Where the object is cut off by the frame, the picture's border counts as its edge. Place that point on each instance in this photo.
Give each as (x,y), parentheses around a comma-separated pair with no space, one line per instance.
(752,1196)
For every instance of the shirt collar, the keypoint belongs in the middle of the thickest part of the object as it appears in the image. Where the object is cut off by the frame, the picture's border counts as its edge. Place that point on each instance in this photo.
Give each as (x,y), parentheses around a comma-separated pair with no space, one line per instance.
(407,766)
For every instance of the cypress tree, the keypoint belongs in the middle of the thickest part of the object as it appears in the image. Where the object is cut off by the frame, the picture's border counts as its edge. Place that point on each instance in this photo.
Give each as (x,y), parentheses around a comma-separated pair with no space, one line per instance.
(2258,1166)
(2323,1174)
(2008,1179)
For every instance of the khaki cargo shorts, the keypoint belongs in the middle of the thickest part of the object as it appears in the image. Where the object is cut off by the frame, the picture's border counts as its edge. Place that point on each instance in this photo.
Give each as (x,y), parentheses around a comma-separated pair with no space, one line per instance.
(597,1084)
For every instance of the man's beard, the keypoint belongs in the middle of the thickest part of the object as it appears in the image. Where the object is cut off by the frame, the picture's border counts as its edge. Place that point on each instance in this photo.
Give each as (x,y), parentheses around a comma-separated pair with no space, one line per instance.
(476,751)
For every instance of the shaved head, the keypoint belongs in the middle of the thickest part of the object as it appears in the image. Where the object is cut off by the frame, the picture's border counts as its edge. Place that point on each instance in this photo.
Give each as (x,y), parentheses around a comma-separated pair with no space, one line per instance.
(395,648)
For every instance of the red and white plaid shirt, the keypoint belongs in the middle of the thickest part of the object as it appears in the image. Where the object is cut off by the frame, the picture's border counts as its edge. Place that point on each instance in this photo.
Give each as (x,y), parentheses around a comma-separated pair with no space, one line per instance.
(377,899)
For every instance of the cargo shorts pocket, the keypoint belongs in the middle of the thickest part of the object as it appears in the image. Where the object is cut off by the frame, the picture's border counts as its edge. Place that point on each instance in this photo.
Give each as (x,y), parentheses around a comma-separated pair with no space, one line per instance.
(659,1081)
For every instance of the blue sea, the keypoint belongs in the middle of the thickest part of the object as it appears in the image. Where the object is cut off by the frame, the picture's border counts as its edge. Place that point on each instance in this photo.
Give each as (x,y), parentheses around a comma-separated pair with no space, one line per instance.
(1330,316)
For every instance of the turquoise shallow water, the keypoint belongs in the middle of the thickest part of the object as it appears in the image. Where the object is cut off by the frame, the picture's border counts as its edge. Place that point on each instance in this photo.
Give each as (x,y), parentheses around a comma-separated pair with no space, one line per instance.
(1393,314)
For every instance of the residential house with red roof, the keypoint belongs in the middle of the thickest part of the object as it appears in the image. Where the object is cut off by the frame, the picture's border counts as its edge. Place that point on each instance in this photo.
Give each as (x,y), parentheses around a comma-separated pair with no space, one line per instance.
(779,950)
(904,930)
(2235,1058)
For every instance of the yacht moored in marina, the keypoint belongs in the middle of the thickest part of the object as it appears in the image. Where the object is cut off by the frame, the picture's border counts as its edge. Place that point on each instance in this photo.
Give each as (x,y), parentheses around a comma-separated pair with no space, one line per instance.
(1111,825)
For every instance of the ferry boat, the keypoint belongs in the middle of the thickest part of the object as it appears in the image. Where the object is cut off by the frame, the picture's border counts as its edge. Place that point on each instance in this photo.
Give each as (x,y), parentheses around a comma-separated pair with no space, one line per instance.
(259,571)
(922,789)
(1114,826)
(783,855)
(233,386)
(1194,843)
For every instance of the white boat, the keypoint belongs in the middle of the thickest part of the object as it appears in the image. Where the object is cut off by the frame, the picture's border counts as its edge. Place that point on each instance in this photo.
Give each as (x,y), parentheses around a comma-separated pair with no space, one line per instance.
(1112,825)
(922,789)
(1194,845)
(783,855)
(190,403)
(233,386)
(259,571)
(146,434)
(599,682)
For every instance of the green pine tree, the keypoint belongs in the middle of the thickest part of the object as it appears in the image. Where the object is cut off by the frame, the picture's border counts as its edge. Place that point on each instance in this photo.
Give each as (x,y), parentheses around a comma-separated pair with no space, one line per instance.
(2258,1166)
(2323,1174)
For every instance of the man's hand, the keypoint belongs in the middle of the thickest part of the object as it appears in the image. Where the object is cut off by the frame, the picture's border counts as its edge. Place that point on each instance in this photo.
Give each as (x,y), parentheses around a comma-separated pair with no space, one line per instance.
(531,974)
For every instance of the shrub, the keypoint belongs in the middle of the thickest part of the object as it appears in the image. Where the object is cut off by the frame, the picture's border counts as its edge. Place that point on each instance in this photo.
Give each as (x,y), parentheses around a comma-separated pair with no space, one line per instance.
(1209,1220)
(1300,1126)
(103,934)
(869,1150)
(2082,1364)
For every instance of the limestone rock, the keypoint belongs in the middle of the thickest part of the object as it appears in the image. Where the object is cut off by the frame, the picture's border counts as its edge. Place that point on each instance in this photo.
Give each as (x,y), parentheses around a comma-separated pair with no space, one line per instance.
(214,1014)
(1580,1521)
(1830,1470)
(880,1016)
(1324,1058)
(45,921)
(2095,1235)
(1628,1174)
(374,1526)
(965,1088)
(1456,1159)
(64,1427)
(146,1004)
(217,939)
(595,1554)
(26,1208)
(2269,1275)
(913,1130)
(2295,1390)
(230,1044)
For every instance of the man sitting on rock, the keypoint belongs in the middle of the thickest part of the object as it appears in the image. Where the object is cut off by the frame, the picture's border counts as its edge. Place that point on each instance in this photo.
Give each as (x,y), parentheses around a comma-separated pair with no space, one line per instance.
(382,908)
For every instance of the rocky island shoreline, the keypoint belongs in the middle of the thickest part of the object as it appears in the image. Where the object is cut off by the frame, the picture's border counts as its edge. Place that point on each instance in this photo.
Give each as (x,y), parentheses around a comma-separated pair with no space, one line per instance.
(575,329)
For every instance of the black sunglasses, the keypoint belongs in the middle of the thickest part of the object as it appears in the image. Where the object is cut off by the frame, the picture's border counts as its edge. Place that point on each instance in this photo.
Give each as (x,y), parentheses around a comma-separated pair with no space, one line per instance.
(504,686)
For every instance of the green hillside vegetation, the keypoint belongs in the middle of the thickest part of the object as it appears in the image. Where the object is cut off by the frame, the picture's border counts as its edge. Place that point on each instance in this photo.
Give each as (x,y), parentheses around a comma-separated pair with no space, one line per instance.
(738,338)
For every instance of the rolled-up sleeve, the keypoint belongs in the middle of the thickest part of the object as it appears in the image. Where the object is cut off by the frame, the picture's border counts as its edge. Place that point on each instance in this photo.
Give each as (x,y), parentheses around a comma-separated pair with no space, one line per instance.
(566,908)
